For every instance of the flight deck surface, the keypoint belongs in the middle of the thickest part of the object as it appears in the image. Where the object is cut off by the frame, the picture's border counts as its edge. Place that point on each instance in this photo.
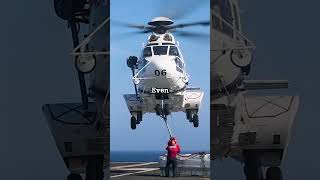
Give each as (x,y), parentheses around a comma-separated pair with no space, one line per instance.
(145,171)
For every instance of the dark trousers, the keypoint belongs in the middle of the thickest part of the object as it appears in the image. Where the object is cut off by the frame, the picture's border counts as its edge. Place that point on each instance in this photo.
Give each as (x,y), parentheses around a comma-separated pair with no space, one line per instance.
(172,161)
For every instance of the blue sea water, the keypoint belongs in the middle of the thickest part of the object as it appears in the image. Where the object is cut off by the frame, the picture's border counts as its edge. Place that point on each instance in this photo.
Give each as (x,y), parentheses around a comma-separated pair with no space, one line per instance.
(135,156)
(138,156)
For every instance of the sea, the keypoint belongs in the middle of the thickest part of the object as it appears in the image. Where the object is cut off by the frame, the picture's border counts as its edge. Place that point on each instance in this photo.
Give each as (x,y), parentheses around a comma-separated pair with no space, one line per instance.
(140,156)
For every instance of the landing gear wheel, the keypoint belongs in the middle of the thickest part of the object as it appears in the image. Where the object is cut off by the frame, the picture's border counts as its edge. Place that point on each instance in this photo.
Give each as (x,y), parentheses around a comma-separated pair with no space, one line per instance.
(133,122)
(139,117)
(252,169)
(158,109)
(189,115)
(195,120)
(74,177)
(274,173)
(166,110)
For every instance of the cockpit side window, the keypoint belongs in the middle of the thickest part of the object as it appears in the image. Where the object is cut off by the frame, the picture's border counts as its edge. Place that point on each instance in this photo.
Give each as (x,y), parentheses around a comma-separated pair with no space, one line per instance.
(226,11)
(223,9)
(174,51)
(141,64)
(147,52)
(160,50)
(179,64)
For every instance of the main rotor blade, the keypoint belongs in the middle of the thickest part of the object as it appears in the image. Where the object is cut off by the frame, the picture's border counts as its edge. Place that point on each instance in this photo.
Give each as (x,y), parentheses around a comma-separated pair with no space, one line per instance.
(131,25)
(191,34)
(200,23)
(139,26)
(126,35)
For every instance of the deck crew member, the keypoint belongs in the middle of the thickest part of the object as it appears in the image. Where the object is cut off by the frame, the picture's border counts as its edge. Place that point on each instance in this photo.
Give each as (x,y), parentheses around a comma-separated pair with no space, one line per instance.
(172,151)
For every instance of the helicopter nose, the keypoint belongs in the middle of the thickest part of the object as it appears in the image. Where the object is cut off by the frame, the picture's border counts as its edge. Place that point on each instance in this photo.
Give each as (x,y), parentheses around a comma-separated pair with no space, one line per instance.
(162,73)
(163,67)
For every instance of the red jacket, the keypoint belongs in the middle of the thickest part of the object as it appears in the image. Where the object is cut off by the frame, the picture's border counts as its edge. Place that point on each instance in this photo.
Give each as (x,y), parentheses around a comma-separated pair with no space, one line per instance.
(178,146)
(173,150)
(175,141)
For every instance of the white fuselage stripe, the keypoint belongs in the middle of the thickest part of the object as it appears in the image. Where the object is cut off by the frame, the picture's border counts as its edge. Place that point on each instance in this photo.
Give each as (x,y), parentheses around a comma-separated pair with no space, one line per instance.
(133,165)
(128,174)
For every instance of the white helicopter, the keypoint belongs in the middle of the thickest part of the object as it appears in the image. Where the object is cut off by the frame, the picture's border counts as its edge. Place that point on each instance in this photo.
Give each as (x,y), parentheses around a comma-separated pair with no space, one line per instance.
(81,129)
(252,129)
(159,76)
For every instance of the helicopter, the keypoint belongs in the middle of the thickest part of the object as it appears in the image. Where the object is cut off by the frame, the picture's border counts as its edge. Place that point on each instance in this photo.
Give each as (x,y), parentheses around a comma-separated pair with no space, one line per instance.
(159,75)
(246,126)
(81,129)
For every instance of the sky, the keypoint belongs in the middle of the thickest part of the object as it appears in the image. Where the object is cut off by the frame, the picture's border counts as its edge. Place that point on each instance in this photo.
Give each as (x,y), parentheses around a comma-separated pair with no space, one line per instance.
(36,69)
(152,134)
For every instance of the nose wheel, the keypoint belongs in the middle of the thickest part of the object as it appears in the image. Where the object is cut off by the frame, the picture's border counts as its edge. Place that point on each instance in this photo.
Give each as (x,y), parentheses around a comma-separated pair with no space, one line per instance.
(158,110)
(162,111)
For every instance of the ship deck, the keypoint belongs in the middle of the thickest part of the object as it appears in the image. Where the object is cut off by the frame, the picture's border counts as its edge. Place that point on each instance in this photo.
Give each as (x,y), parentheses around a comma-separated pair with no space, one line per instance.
(145,171)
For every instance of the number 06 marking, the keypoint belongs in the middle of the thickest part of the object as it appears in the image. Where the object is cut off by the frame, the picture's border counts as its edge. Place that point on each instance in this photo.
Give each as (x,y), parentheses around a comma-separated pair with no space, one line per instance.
(158,72)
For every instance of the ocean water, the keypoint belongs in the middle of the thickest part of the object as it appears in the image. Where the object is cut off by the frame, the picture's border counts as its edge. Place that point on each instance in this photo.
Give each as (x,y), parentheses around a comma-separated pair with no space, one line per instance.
(139,156)
(135,156)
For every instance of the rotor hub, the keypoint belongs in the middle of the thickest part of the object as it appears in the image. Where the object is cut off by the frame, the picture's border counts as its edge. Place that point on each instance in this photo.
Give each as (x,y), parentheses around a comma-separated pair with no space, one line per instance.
(160,21)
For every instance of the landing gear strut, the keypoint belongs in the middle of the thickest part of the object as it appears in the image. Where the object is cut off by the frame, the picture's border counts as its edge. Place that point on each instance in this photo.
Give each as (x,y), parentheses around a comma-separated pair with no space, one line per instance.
(139,117)
(189,115)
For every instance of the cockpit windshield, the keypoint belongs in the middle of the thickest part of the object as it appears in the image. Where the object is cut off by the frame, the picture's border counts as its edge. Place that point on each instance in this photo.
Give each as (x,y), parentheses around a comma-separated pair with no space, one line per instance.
(174,51)
(160,50)
(147,52)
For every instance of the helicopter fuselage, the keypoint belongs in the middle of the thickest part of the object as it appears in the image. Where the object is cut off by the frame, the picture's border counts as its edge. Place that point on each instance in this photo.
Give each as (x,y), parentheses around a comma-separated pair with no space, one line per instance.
(252,128)
(161,67)
(159,76)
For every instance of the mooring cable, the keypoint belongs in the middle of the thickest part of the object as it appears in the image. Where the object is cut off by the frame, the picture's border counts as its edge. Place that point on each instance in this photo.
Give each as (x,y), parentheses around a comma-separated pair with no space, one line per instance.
(167,125)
